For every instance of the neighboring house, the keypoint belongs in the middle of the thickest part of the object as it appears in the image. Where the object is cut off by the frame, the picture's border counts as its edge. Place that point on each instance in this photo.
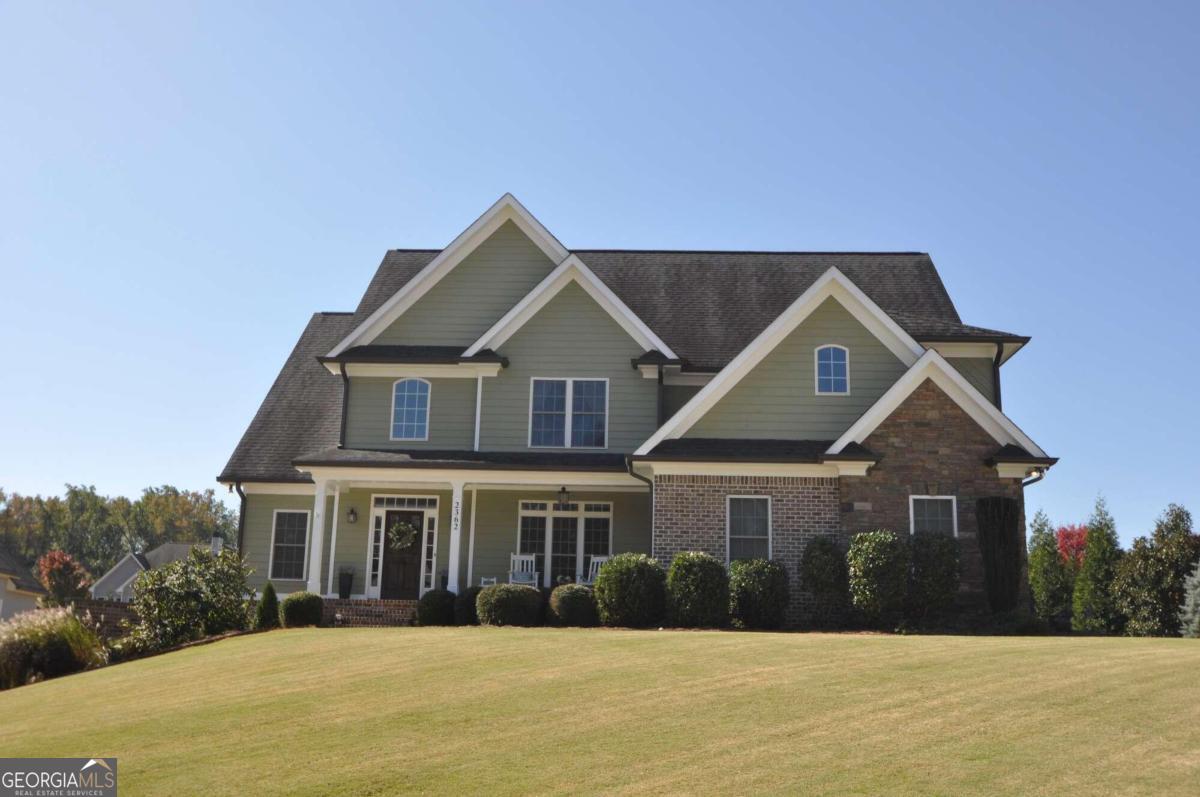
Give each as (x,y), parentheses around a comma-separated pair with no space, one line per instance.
(19,590)
(117,583)
(506,395)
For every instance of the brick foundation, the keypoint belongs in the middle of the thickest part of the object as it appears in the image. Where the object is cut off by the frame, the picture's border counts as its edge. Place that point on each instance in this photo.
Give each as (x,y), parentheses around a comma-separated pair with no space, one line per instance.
(689,515)
(358,613)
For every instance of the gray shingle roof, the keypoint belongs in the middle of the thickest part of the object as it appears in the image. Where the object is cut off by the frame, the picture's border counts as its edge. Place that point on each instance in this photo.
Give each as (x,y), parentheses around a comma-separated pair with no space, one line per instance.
(756,450)
(707,306)
(12,566)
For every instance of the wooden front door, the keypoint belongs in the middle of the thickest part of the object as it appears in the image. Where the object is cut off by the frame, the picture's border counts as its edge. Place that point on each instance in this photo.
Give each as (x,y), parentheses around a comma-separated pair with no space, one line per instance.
(401,576)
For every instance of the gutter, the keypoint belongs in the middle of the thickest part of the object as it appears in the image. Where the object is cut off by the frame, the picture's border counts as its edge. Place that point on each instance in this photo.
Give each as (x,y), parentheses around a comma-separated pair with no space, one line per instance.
(1037,477)
(345,404)
(629,469)
(241,518)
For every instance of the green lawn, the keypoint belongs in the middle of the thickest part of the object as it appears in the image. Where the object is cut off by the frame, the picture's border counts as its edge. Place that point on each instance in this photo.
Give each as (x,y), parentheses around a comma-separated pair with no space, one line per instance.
(378,711)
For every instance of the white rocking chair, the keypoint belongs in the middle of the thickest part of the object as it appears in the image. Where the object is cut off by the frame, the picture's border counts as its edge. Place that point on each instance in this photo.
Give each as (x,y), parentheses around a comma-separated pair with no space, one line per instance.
(593,570)
(523,570)
(487,581)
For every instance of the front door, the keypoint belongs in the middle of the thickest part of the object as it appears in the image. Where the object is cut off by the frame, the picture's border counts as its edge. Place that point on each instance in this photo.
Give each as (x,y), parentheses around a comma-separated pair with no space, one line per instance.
(401,576)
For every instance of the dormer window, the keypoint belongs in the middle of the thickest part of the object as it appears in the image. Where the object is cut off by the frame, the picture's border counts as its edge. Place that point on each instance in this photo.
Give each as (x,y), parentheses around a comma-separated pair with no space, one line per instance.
(833,370)
(410,409)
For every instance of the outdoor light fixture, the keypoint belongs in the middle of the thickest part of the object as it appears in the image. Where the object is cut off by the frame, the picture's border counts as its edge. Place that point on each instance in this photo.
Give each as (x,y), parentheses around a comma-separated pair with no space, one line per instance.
(564,497)
(352,515)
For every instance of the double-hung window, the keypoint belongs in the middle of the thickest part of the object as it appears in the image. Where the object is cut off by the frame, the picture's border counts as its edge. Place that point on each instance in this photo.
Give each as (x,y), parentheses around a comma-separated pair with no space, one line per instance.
(748,525)
(933,514)
(410,410)
(568,413)
(289,545)
(833,370)
(564,537)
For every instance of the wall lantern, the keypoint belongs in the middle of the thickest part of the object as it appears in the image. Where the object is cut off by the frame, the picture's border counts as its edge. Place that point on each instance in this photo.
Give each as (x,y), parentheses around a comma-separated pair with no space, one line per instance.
(352,515)
(564,497)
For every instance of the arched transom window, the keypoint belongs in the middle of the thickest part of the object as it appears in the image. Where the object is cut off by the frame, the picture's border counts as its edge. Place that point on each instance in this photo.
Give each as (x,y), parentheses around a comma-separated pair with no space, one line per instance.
(833,370)
(410,410)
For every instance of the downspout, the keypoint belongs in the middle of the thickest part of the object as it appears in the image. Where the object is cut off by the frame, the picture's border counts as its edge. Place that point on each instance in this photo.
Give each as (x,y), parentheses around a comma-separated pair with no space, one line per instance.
(638,476)
(241,517)
(996,374)
(661,401)
(345,404)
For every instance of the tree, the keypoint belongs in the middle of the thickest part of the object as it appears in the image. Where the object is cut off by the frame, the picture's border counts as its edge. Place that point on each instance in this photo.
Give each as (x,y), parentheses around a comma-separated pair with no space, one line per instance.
(267,611)
(1189,614)
(1149,585)
(1094,606)
(1051,579)
(65,579)
(1072,540)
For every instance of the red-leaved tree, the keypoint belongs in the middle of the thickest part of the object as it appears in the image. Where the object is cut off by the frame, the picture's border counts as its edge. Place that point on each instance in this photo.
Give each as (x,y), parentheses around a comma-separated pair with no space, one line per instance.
(1071,542)
(64,579)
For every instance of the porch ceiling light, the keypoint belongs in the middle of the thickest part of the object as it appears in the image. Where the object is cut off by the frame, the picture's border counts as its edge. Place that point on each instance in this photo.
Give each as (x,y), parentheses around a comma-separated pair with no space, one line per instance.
(564,497)
(352,515)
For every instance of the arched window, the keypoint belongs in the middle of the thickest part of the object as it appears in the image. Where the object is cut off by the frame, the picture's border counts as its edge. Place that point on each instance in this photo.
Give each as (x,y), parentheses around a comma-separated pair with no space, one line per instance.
(833,370)
(410,410)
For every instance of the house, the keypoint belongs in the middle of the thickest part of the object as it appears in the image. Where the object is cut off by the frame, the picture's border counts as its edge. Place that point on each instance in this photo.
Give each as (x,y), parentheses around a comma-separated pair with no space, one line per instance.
(19,590)
(117,583)
(506,395)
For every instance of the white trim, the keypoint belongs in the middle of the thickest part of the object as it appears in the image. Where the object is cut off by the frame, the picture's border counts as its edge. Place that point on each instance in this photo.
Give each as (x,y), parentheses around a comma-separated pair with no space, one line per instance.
(770,522)
(817,370)
(454,552)
(441,478)
(275,488)
(569,410)
(550,513)
(426,511)
(307,541)
(337,497)
(674,375)
(934,367)
(505,209)
(1017,470)
(478,407)
(912,519)
(957,349)
(570,270)
(467,370)
(832,284)
(428,407)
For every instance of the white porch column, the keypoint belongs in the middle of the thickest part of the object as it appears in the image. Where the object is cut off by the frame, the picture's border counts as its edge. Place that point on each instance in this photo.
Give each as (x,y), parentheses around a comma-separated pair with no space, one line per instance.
(337,496)
(456,507)
(471,539)
(318,537)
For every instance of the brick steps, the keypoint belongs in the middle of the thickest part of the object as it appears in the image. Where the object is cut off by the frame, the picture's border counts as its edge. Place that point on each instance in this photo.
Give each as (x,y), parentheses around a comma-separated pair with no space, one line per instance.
(364,613)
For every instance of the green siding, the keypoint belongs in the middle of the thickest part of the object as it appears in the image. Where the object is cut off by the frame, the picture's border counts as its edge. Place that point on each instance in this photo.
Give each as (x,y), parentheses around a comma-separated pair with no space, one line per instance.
(778,399)
(475,294)
(978,371)
(256,543)
(571,336)
(497,523)
(451,414)
(675,396)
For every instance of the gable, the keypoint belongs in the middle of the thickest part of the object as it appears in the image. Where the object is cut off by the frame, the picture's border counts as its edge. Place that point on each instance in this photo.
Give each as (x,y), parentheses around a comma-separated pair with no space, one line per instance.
(777,399)
(477,292)
(571,336)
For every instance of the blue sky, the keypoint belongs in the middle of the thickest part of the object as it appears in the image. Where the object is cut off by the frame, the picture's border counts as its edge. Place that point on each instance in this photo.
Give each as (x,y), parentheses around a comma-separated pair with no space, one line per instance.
(184,185)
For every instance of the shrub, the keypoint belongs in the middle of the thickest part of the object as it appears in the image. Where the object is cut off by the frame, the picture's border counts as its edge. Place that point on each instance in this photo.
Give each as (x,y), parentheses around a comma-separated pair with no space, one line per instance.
(573,605)
(436,607)
(65,580)
(464,607)
(509,604)
(1148,588)
(1189,613)
(1093,606)
(823,575)
(1051,578)
(878,572)
(267,611)
(697,591)
(758,593)
(631,591)
(46,644)
(301,609)
(199,596)
(1001,547)
(933,577)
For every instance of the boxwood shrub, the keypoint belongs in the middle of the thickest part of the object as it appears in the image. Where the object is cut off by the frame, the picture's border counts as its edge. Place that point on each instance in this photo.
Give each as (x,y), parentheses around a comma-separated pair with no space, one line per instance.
(933,577)
(300,609)
(573,605)
(697,591)
(45,644)
(436,607)
(823,575)
(509,604)
(878,567)
(266,613)
(464,607)
(631,591)
(758,593)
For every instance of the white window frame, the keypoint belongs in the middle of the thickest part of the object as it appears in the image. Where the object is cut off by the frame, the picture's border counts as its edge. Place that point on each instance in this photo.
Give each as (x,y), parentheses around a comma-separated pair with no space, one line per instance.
(569,406)
(550,513)
(428,565)
(428,410)
(729,523)
(817,370)
(307,543)
(912,517)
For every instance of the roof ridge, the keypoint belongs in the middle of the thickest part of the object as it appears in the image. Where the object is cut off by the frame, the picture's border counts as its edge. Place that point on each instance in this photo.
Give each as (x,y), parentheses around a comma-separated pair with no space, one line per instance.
(886,252)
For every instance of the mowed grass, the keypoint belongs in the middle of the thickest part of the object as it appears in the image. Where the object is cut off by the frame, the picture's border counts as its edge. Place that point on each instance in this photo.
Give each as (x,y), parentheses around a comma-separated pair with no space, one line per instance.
(470,710)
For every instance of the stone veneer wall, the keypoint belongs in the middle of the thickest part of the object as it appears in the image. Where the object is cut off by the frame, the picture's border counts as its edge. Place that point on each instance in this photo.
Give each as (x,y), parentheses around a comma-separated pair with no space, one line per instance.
(928,446)
(689,515)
